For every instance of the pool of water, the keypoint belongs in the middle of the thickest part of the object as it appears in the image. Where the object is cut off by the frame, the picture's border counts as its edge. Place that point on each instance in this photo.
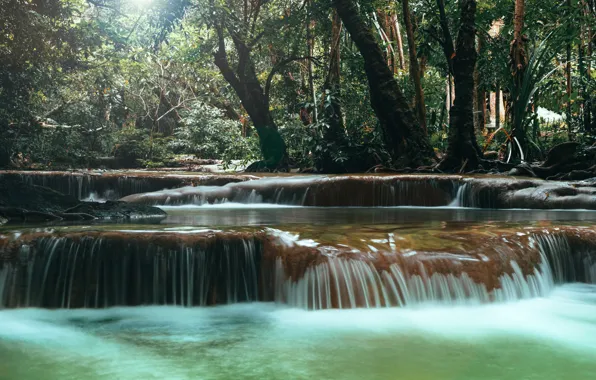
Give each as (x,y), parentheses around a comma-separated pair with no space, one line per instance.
(237,214)
(543,338)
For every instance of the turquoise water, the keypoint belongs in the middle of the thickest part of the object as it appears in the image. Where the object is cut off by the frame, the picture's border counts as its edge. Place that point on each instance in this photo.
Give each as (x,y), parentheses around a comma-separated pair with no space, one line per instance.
(543,338)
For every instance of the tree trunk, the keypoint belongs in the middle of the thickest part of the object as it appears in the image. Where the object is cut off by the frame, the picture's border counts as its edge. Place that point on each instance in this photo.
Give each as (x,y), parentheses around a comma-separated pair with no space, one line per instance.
(310,46)
(498,106)
(448,48)
(334,135)
(568,113)
(588,97)
(461,151)
(480,95)
(591,45)
(383,20)
(519,63)
(400,45)
(246,85)
(583,73)
(414,67)
(403,137)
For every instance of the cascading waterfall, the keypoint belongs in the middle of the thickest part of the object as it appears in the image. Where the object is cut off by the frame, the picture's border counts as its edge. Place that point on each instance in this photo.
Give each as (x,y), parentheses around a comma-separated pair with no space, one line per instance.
(98,272)
(4,279)
(213,267)
(355,191)
(345,283)
(463,197)
(575,265)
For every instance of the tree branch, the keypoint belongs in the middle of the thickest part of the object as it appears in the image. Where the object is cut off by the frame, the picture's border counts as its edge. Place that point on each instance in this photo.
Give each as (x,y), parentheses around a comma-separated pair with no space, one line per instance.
(221,60)
(448,47)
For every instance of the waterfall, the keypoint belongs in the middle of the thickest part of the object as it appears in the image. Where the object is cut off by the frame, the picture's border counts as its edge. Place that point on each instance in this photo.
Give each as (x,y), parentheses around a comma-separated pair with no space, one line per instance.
(4,280)
(345,283)
(102,272)
(97,269)
(463,197)
(317,191)
(112,185)
(567,264)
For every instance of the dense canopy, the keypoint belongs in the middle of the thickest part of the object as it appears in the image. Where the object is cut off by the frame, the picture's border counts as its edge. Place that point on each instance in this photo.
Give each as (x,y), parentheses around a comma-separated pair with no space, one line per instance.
(318,85)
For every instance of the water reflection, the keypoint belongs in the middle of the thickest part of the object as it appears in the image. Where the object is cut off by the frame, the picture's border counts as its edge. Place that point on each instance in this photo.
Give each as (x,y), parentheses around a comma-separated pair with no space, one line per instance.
(229,214)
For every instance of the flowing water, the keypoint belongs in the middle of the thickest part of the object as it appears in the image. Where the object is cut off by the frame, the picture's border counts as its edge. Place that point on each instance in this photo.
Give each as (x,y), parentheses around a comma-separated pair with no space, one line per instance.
(544,338)
(276,290)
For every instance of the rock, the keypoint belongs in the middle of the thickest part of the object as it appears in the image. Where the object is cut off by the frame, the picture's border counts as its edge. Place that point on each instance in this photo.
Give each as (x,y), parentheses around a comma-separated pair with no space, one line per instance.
(523,170)
(561,154)
(116,184)
(21,202)
(366,190)
(117,210)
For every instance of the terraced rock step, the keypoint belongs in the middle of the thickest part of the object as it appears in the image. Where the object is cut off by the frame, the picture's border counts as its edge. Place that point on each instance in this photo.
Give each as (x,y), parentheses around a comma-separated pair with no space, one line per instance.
(365,190)
(24,203)
(339,267)
(387,190)
(115,184)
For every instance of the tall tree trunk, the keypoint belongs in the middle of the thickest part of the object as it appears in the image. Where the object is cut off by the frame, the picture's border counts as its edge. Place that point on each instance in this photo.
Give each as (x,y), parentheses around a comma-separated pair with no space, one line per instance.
(498,105)
(461,151)
(587,47)
(400,45)
(414,67)
(449,51)
(519,63)
(403,137)
(583,73)
(383,20)
(310,46)
(334,135)
(568,112)
(246,85)
(480,95)
(591,46)
(448,48)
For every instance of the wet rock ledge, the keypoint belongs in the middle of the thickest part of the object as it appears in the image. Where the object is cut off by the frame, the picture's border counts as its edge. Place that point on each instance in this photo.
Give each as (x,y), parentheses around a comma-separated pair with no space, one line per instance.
(24,203)
(488,192)
(338,267)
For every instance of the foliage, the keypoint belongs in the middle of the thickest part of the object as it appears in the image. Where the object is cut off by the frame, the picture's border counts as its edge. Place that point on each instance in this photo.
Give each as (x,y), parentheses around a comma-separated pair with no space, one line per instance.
(206,134)
(81,80)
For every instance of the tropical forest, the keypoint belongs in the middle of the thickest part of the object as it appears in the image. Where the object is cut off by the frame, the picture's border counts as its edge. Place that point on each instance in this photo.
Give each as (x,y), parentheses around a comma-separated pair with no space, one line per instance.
(298,189)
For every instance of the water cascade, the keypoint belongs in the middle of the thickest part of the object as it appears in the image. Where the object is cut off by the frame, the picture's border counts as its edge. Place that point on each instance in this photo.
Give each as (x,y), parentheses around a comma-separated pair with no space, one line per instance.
(361,190)
(324,191)
(112,185)
(190,267)
(385,191)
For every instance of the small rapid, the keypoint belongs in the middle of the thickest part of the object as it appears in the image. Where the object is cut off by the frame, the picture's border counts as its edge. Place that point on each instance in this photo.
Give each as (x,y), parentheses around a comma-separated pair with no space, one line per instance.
(495,341)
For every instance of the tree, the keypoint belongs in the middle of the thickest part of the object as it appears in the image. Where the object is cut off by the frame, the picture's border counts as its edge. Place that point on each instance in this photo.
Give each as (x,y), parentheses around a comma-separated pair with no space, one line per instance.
(403,136)
(334,133)
(518,64)
(462,149)
(415,74)
(246,84)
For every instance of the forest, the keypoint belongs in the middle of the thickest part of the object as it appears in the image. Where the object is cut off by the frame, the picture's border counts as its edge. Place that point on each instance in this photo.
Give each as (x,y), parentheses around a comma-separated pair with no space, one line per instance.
(326,86)
(297,189)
